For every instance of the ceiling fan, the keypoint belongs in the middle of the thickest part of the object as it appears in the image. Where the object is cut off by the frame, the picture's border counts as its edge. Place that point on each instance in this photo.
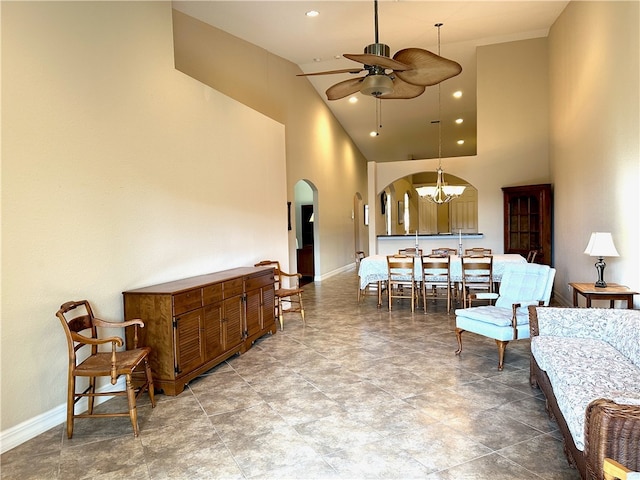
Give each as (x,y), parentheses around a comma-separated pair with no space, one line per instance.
(404,76)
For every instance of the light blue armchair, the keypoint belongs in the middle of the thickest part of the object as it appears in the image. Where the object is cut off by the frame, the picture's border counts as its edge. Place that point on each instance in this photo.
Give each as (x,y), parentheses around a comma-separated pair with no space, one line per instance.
(508,319)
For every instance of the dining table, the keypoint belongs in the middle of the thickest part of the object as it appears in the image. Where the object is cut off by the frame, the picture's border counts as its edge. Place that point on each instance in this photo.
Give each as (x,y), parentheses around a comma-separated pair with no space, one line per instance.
(373,269)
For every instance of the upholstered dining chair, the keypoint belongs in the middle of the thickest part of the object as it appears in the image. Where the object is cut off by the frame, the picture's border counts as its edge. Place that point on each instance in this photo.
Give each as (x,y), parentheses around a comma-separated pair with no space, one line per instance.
(287,287)
(613,470)
(401,282)
(436,282)
(523,284)
(477,276)
(85,360)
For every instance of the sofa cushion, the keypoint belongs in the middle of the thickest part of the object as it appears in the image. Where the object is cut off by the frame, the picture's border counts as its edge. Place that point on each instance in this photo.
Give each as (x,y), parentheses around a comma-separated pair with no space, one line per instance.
(581,370)
(622,331)
(572,322)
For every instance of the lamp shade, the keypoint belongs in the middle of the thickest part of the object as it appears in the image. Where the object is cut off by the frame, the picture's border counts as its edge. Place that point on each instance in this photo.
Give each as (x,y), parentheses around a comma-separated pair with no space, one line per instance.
(601,245)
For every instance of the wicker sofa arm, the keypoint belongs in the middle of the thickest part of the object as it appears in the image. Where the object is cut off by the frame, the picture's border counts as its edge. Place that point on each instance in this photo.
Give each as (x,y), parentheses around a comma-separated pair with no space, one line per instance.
(533,321)
(611,430)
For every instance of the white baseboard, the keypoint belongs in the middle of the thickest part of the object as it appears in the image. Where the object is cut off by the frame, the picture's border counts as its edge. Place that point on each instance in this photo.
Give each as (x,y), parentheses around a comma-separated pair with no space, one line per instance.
(320,278)
(33,427)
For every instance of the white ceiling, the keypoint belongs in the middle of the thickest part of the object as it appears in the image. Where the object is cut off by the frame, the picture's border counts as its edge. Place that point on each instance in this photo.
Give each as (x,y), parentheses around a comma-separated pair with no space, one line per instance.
(348,26)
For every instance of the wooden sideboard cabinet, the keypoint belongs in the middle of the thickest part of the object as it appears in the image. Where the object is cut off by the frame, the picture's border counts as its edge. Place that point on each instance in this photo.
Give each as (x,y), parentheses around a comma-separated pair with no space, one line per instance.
(527,221)
(195,323)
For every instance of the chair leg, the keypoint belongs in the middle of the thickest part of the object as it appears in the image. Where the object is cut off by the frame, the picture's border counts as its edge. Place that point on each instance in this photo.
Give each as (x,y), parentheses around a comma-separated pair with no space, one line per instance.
(71,398)
(280,315)
(301,308)
(131,399)
(91,397)
(502,345)
(459,339)
(150,387)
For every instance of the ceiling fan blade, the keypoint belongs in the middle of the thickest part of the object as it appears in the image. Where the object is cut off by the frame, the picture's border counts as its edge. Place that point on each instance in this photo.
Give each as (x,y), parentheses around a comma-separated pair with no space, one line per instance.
(425,68)
(343,89)
(404,90)
(377,61)
(331,72)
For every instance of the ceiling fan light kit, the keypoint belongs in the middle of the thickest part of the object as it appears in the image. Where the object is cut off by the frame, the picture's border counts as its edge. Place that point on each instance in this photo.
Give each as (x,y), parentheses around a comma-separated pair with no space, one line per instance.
(376,85)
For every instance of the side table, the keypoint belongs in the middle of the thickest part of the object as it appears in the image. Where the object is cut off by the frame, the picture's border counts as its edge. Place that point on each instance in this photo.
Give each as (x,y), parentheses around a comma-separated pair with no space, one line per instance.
(611,292)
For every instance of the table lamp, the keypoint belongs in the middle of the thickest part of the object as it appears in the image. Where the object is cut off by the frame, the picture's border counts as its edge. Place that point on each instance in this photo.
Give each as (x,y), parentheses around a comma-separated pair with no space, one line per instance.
(601,245)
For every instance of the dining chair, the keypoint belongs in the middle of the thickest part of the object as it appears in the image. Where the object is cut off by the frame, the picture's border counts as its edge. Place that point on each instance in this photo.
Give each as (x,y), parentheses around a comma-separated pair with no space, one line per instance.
(477,278)
(614,470)
(443,251)
(411,251)
(477,251)
(363,292)
(85,360)
(401,282)
(287,290)
(436,283)
(523,284)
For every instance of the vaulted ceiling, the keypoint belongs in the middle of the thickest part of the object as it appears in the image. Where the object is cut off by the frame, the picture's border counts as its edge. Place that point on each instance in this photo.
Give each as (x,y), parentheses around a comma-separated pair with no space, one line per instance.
(406,128)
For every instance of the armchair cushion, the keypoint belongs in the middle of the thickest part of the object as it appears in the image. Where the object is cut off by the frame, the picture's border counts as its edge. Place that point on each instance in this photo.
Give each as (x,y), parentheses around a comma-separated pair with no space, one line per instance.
(491,330)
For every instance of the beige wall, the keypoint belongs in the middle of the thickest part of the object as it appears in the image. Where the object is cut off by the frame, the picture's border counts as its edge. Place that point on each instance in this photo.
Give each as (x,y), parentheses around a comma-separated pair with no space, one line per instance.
(118,171)
(317,148)
(595,154)
(513,122)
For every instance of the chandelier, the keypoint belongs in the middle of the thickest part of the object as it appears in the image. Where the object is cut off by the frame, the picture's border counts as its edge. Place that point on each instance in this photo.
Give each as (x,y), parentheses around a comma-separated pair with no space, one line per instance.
(441,193)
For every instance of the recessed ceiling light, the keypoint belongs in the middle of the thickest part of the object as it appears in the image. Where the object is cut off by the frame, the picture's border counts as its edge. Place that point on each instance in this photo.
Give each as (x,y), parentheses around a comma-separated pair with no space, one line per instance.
(457,94)
(460,142)
(353,99)
(373,134)
(459,121)
(312,13)
(317,59)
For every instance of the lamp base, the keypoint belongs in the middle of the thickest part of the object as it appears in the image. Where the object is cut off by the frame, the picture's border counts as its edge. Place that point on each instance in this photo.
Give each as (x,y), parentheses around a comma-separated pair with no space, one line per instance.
(600,283)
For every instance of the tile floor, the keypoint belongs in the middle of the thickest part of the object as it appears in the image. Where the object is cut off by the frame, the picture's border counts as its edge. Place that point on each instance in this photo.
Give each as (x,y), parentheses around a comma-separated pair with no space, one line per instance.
(358,392)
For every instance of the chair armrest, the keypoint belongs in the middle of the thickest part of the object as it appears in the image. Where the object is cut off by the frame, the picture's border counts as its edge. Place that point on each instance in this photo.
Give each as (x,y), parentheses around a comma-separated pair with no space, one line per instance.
(116,341)
(106,324)
(134,322)
(484,296)
(285,274)
(514,315)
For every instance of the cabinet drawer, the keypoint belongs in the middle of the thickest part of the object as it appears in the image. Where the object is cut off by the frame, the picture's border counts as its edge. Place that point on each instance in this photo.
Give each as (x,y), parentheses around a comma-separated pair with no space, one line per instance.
(232,288)
(184,302)
(259,281)
(212,294)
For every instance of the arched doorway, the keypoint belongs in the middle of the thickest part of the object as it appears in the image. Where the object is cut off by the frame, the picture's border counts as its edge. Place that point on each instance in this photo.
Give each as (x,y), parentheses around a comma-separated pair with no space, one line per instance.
(305,220)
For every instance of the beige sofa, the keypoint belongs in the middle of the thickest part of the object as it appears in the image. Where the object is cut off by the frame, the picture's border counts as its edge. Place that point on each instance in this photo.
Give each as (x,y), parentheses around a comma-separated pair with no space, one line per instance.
(587,363)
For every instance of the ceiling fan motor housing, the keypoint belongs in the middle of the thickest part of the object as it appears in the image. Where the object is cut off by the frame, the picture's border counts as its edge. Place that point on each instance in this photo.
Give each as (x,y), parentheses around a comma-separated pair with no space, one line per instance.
(378,49)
